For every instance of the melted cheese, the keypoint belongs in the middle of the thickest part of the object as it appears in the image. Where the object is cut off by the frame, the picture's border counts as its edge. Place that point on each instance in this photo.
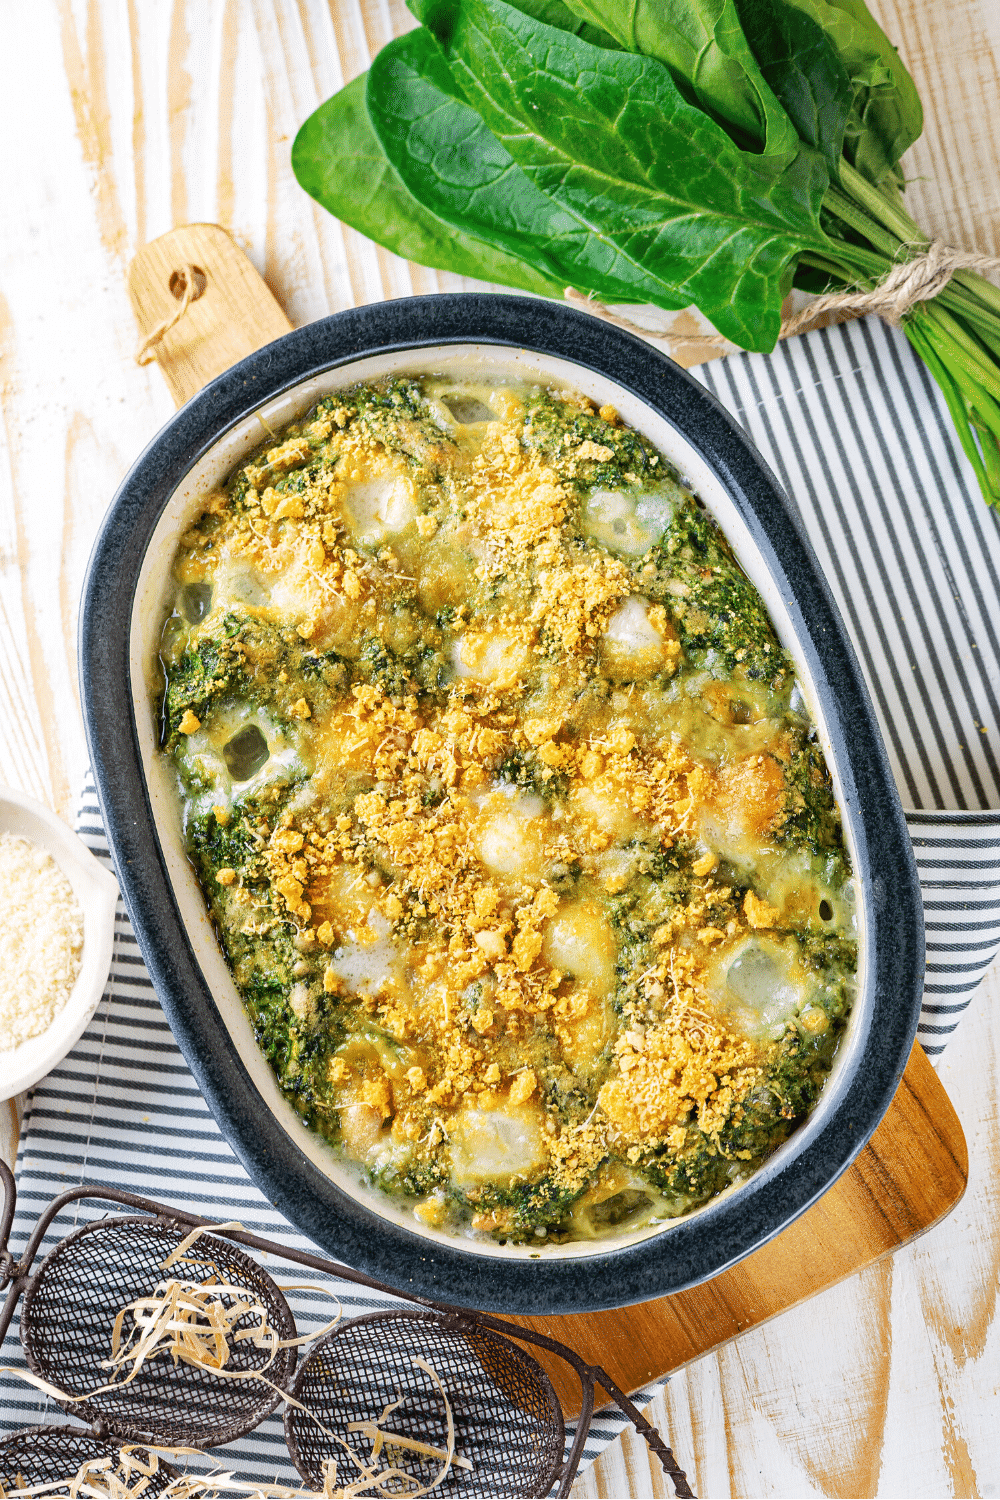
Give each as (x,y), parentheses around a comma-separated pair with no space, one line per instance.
(496,823)
(496,1145)
(376,509)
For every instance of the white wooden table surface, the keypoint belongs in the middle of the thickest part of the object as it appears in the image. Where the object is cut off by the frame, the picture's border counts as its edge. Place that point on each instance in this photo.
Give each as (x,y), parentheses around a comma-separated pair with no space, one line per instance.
(122,118)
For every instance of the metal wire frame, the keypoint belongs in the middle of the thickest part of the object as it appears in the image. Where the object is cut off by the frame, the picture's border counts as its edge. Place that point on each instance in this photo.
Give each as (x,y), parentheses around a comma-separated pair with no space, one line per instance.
(73,1298)
(15,1276)
(43,1455)
(506,1416)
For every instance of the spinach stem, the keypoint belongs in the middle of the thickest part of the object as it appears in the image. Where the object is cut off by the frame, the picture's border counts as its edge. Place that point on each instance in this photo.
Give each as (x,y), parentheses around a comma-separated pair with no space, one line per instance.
(978,359)
(961,302)
(891,216)
(976,283)
(840,268)
(843,208)
(894,218)
(954,400)
(971,400)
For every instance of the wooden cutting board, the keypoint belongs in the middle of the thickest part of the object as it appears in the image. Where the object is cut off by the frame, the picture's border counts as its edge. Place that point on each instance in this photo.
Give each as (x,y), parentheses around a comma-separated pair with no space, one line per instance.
(914,1169)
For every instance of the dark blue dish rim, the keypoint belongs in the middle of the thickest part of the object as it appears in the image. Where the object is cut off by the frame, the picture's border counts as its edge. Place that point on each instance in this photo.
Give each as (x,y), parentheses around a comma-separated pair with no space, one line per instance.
(689,1251)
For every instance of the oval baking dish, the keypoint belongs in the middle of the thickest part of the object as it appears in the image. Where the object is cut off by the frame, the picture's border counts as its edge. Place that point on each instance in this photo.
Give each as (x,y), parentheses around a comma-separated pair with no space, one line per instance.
(120,622)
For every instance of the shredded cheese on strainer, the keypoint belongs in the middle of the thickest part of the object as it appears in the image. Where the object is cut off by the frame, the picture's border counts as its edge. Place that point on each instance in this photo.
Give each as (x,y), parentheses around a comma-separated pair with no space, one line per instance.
(195,1323)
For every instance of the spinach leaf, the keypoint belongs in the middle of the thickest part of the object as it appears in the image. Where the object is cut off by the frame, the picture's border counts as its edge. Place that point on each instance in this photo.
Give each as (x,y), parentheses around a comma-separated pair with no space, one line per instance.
(557,13)
(886,117)
(603,144)
(337,158)
(702,43)
(608,136)
(447,158)
(802,66)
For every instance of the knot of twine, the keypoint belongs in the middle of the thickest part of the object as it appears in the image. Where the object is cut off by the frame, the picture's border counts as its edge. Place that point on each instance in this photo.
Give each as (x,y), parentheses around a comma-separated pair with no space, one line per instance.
(146,352)
(901,288)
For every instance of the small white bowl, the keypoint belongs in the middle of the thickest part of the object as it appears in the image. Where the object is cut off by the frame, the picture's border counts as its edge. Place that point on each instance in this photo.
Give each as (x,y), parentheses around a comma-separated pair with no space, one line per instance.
(96,891)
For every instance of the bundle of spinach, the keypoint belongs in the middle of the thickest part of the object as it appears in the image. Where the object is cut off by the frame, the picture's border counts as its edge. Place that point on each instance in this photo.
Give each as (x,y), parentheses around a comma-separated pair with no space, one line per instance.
(673,152)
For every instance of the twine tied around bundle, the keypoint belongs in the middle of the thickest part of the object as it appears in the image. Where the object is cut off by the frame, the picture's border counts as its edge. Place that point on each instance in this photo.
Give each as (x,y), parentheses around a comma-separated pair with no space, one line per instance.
(899,291)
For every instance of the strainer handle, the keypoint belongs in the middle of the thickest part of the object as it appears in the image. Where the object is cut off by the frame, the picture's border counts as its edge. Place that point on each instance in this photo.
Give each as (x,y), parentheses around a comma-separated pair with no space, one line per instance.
(681,1487)
(6,1220)
(583,1421)
(8,1269)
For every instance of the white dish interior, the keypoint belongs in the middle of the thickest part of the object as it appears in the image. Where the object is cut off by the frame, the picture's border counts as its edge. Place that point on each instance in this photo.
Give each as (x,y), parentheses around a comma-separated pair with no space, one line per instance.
(96,890)
(150,606)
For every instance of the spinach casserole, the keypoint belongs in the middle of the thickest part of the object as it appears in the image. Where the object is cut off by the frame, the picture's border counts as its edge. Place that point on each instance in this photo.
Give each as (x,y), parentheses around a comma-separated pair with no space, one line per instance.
(507,809)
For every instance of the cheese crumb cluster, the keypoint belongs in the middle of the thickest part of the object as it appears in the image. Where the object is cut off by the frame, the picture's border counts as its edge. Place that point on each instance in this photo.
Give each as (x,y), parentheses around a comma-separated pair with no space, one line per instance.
(508,809)
(41,936)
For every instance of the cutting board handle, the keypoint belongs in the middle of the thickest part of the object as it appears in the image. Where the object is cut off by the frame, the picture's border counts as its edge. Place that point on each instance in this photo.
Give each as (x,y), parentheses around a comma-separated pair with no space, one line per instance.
(232,313)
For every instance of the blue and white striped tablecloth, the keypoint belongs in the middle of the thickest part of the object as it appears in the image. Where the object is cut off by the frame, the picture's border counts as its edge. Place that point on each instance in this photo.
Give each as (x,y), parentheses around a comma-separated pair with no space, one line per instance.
(123,1109)
(852,425)
(860,438)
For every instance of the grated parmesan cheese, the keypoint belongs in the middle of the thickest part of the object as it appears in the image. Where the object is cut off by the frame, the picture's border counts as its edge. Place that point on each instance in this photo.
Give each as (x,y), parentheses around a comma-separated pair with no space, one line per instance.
(41,938)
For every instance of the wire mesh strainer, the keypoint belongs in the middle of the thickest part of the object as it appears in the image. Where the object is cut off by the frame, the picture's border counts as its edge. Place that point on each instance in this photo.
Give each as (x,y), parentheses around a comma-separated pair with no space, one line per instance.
(69,1309)
(508,1422)
(45,1455)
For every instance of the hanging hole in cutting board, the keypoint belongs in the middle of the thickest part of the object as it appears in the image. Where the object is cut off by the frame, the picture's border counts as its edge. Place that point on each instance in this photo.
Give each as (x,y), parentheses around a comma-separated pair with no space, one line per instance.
(178,283)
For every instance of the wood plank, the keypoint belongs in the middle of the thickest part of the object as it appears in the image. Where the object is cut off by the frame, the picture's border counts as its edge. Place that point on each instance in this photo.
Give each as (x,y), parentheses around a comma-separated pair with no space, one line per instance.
(11,1111)
(885,1384)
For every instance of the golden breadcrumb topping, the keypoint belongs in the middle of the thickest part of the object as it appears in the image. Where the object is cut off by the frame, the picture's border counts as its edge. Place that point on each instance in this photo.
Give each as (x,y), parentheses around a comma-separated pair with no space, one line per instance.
(508,862)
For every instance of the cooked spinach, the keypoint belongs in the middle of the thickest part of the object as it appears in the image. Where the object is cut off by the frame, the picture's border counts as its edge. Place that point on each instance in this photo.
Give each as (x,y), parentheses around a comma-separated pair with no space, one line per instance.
(243,657)
(354,802)
(719,616)
(632,458)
